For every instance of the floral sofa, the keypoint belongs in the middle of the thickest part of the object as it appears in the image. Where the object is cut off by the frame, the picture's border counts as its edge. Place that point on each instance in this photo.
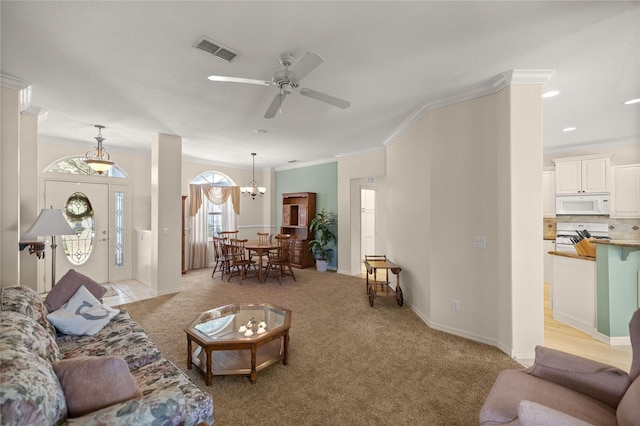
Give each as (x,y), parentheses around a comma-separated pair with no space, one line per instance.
(35,391)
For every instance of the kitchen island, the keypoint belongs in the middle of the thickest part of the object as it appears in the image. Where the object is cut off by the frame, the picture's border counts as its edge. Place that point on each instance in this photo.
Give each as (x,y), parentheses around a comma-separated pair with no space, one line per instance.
(573,290)
(598,294)
(618,288)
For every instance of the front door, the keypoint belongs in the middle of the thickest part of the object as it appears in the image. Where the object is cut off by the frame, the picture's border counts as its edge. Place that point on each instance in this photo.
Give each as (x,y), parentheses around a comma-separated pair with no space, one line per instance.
(86,206)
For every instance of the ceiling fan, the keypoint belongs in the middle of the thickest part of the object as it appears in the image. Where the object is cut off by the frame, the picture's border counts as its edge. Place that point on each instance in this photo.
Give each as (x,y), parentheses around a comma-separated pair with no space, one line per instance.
(288,80)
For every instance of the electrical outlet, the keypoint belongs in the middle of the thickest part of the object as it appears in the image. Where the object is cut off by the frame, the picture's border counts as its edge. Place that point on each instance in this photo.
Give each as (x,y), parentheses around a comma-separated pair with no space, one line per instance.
(455,305)
(480,242)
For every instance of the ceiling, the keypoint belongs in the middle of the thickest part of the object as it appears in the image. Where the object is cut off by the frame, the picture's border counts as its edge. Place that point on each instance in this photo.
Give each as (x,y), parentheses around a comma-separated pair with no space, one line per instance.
(132,67)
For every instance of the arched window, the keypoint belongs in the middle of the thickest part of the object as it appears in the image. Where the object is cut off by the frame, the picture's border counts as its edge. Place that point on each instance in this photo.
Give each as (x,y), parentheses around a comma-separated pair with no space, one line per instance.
(217,214)
(207,219)
(77,166)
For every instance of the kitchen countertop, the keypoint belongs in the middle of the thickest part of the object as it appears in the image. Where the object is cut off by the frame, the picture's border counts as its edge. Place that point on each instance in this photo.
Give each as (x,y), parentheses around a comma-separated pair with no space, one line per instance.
(621,243)
(572,255)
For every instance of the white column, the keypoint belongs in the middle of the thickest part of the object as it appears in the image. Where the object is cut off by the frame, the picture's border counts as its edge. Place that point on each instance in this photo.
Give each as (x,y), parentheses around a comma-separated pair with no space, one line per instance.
(10,186)
(29,192)
(166,212)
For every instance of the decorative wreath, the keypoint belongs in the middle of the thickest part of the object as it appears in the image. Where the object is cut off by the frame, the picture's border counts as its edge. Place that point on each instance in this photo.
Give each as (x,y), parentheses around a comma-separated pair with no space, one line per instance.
(78,207)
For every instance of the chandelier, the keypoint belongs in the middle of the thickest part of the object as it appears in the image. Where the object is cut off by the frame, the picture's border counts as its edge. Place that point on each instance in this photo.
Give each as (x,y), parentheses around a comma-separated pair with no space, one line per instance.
(254,189)
(99,159)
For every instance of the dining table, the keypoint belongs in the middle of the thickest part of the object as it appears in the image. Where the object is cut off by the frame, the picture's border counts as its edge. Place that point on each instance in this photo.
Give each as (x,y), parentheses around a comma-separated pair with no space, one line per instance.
(261,249)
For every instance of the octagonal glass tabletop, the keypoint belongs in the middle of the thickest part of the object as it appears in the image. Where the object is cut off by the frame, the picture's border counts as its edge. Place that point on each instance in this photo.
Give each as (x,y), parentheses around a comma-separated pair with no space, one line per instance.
(240,322)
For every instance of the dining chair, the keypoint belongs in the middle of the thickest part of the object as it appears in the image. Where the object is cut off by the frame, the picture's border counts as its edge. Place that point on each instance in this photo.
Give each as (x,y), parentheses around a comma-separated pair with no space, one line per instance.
(228,235)
(221,256)
(280,259)
(263,238)
(238,260)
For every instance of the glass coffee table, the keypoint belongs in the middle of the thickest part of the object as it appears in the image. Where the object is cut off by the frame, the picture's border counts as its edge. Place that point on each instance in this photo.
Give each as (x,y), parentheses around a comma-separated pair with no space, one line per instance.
(238,339)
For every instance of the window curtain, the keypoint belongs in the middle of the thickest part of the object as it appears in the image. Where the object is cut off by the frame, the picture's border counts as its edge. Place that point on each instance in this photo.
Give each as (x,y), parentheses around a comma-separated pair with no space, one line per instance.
(229,197)
(198,256)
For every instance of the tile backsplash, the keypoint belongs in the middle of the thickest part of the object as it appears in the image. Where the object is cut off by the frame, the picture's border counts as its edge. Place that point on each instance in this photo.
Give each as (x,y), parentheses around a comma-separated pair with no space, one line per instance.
(619,229)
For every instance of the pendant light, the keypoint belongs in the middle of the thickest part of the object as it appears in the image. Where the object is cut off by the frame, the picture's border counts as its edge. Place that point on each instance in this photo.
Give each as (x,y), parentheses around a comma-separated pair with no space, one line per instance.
(254,189)
(99,159)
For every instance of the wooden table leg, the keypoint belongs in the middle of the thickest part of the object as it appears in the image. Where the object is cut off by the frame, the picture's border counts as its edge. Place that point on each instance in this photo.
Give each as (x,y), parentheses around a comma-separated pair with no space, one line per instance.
(285,349)
(189,353)
(209,377)
(254,374)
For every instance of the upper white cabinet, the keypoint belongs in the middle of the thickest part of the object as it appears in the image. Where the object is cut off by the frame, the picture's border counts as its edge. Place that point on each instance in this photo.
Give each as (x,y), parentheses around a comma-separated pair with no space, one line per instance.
(582,176)
(625,191)
(549,194)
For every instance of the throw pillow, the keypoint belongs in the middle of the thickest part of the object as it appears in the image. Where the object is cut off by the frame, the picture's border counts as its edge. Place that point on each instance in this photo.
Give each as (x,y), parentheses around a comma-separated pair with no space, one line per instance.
(92,383)
(67,287)
(82,315)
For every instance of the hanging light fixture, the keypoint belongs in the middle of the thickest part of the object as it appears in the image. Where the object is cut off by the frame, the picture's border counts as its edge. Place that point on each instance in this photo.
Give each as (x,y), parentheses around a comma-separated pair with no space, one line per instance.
(254,189)
(99,159)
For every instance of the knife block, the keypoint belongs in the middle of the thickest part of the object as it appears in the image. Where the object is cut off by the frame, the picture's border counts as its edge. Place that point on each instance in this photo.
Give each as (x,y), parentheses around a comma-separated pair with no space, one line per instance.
(585,248)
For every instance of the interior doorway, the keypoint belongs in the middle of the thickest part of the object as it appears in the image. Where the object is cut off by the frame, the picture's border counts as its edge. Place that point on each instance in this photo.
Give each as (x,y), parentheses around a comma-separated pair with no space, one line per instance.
(367,222)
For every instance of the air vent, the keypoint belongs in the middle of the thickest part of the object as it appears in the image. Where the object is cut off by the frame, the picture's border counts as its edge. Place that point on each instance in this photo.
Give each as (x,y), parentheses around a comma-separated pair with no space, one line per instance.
(216,49)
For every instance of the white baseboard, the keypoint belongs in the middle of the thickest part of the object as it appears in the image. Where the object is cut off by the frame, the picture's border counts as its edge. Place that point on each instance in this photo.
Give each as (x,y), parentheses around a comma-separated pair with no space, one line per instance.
(612,341)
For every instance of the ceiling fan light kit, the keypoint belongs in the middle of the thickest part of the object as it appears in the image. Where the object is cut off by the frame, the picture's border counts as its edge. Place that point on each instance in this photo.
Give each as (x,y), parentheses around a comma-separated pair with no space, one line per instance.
(288,81)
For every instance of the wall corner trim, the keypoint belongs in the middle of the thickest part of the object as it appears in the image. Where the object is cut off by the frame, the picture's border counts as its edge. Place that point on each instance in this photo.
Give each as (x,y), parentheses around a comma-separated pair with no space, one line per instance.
(494,85)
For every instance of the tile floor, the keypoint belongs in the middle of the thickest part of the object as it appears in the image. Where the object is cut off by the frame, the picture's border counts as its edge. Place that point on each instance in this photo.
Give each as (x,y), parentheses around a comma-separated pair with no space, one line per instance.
(128,291)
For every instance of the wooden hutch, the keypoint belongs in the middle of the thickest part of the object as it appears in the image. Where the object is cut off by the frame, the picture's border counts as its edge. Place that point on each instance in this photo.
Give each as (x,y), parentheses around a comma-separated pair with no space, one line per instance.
(298,210)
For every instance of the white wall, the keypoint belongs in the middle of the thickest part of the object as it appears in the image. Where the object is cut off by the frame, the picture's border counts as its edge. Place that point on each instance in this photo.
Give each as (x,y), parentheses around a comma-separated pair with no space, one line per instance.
(353,167)
(475,171)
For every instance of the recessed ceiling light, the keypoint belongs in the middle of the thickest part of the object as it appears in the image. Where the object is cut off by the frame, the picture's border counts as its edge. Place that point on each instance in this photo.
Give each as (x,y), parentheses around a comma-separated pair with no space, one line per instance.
(550,94)
(568,129)
(632,101)
(260,130)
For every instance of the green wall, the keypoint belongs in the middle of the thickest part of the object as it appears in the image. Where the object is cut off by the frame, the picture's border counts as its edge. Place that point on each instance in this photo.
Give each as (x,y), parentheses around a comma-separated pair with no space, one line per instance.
(321,179)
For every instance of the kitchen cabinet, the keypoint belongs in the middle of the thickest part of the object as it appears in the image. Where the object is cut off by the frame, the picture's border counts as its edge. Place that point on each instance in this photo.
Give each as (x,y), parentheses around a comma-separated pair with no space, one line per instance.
(582,176)
(298,209)
(625,191)
(549,194)
(574,292)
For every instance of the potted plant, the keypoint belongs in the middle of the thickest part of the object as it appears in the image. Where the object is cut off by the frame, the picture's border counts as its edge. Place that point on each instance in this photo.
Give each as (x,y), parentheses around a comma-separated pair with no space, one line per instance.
(322,227)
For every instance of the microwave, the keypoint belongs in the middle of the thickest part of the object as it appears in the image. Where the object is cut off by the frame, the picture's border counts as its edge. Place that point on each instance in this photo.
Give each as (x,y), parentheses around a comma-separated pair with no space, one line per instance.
(592,204)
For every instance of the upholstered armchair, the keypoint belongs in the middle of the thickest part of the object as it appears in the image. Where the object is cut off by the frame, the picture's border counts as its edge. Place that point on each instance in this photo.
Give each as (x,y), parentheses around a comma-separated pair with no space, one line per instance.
(564,389)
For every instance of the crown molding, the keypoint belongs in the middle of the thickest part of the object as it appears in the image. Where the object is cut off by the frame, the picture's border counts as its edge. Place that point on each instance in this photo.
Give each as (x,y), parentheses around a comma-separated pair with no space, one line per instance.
(494,85)
(11,82)
(359,152)
(22,86)
(36,111)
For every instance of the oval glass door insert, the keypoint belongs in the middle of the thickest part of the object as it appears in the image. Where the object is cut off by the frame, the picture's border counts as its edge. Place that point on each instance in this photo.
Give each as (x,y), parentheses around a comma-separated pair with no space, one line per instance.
(79,214)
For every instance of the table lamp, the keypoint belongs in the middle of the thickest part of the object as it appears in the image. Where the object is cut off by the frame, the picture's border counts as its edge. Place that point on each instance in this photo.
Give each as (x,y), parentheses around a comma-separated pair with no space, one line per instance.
(49,222)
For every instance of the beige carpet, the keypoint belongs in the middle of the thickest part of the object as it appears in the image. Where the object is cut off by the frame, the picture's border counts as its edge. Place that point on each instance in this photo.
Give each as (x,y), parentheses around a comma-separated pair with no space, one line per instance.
(349,363)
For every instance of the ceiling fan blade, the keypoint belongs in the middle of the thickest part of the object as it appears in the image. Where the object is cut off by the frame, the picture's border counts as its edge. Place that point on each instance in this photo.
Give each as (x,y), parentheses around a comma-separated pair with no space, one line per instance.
(328,99)
(275,105)
(308,63)
(238,80)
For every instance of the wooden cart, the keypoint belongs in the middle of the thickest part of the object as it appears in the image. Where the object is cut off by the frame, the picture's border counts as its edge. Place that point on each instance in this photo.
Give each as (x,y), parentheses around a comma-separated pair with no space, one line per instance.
(373,262)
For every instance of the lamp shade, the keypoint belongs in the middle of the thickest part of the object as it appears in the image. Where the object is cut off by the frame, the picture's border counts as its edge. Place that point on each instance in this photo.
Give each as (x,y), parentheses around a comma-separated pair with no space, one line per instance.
(49,222)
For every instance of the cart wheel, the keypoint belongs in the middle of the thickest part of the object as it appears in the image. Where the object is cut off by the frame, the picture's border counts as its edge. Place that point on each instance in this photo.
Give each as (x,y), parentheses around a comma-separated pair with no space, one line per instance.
(399,297)
(371,295)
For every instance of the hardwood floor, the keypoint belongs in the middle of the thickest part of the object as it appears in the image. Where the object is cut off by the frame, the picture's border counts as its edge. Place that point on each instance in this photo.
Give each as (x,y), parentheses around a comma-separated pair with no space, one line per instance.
(568,339)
